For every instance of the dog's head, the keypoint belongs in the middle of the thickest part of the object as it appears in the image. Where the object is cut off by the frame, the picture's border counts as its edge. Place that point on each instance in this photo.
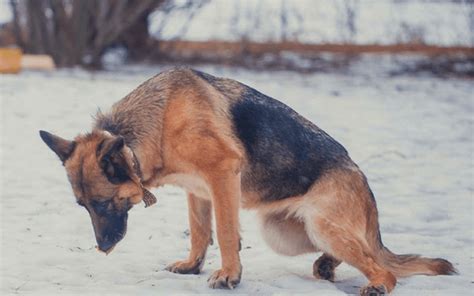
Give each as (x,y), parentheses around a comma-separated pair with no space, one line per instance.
(101,171)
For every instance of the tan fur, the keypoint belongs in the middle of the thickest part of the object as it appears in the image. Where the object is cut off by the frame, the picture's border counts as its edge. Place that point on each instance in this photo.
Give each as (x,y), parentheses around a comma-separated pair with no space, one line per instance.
(200,215)
(334,214)
(189,182)
(86,177)
(186,139)
(182,135)
(196,125)
(89,183)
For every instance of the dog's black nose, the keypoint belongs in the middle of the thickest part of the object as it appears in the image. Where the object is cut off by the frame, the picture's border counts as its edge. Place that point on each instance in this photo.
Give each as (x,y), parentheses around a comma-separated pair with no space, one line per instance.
(106,245)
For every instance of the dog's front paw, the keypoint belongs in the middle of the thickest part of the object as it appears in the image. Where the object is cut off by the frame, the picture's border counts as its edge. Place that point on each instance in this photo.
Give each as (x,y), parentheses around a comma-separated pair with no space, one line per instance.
(225,278)
(186,266)
(373,291)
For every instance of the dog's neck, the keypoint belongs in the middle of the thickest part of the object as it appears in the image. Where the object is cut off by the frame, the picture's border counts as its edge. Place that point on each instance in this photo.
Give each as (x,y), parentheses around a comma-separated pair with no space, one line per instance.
(148,197)
(146,146)
(148,156)
(143,138)
(136,166)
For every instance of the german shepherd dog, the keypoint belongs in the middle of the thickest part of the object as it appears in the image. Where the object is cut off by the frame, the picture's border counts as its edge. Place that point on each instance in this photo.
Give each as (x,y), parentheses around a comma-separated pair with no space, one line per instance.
(229,145)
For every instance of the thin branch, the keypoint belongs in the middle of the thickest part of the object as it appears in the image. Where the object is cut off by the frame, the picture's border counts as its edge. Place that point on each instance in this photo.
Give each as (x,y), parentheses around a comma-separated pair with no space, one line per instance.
(16,24)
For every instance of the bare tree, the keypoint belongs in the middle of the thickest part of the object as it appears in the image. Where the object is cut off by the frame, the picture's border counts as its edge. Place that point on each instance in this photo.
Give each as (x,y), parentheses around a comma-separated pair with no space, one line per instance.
(77,32)
(283,20)
(348,10)
(470,9)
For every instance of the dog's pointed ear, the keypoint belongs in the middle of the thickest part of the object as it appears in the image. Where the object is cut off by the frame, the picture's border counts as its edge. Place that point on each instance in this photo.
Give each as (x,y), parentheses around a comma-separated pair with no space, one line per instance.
(63,148)
(112,160)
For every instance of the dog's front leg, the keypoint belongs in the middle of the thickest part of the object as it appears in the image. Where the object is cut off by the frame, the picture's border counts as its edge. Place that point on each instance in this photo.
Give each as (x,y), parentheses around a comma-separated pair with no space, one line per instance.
(200,224)
(226,200)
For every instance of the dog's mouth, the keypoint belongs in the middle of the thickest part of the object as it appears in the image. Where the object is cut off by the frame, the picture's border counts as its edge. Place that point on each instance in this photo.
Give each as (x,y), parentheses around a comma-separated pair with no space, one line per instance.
(107,246)
(106,252)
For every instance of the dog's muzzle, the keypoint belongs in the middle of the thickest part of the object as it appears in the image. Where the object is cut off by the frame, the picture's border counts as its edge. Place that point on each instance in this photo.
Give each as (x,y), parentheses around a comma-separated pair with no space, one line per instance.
(109,230)
(105,246)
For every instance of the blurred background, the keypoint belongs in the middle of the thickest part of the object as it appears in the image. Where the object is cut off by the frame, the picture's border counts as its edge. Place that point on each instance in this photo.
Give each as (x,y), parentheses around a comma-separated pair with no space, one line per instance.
(302,35)
(391,80)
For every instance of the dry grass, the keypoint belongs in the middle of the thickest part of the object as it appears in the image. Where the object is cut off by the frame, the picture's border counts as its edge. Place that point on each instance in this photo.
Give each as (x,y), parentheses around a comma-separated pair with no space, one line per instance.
(224,48)
(437,60)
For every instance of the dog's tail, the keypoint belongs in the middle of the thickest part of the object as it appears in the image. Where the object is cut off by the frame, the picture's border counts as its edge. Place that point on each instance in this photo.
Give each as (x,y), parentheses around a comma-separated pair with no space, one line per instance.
(409,264)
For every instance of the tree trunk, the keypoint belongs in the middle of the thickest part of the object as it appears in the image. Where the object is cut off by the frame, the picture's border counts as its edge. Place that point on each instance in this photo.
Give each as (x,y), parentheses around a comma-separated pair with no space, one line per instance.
(136,38)
(78,32)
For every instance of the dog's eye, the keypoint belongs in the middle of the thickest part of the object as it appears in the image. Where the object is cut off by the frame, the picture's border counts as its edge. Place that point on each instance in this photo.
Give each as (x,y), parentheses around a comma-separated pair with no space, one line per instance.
(128,204)
(101,206)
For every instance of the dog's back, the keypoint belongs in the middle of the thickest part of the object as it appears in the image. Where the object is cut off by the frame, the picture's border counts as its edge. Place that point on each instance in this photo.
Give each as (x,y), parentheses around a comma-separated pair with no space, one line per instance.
(286,152)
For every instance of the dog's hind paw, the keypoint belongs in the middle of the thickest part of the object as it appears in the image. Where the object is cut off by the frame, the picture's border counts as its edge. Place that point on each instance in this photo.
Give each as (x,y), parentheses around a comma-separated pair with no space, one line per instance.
(323,268)
(224,279)
(186,266)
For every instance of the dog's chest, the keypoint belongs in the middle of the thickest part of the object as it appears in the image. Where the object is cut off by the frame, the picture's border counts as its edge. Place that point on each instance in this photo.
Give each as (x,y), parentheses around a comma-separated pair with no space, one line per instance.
(191,183)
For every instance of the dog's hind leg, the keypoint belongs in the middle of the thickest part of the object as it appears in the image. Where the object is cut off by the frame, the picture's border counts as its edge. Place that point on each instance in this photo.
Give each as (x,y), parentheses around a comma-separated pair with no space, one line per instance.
(345,246)
(323,268)
(200,216)
(340,217)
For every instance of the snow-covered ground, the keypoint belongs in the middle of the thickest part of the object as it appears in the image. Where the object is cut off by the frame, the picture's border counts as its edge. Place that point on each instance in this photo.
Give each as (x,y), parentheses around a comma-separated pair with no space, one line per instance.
(412,136)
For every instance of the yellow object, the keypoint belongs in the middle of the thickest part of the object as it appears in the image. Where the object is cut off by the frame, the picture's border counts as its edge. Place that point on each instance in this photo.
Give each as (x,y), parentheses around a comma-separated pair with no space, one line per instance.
(10,60)
(37,62)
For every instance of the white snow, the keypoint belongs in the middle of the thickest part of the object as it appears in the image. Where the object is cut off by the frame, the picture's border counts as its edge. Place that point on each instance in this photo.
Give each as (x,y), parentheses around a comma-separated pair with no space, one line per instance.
(447,23)
(5,12)
(412,136)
